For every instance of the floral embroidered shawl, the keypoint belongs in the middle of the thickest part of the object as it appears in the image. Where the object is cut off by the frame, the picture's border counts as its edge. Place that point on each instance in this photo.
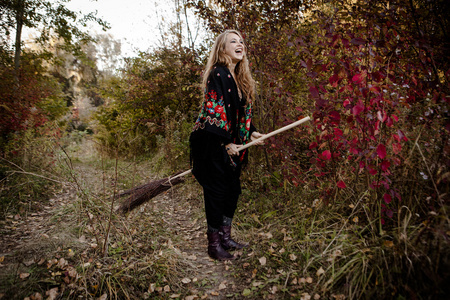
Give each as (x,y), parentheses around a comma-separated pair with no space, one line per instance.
(223,112)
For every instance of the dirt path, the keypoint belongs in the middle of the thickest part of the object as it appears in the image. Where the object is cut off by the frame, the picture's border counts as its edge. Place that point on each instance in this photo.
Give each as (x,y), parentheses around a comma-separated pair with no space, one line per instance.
(33,244)
(186,222)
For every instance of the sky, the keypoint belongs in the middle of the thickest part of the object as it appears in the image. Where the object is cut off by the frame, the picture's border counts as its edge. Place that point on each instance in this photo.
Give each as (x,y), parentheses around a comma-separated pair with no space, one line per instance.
(133,22)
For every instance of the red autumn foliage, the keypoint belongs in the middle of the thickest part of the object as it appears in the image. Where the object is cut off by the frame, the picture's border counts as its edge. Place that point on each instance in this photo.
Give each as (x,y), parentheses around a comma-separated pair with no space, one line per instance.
(19,104)
(376,75)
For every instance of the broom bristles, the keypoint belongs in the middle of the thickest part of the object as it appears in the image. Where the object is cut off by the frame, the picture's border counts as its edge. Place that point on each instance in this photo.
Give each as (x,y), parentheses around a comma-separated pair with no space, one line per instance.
(143,193)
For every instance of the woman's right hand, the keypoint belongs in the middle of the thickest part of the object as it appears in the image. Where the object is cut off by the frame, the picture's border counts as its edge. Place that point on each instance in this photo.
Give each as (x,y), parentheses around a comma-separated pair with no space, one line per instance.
(232,149)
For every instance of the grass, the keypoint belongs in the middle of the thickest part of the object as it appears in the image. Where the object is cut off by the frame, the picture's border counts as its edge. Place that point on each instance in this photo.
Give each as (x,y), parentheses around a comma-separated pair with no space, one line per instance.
(325,251)
(301,247)
(140,248)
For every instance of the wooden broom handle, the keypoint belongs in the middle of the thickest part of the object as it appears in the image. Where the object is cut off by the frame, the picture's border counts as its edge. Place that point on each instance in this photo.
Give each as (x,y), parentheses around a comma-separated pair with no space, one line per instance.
(270,134)
(266,136)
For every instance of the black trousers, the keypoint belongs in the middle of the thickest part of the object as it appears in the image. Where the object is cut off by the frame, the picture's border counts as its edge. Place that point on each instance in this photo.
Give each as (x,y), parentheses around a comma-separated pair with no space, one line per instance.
(219,204)
(220,181)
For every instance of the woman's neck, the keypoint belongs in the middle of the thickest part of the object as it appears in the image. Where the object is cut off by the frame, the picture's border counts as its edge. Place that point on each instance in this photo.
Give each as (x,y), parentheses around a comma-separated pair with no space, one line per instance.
(231,67)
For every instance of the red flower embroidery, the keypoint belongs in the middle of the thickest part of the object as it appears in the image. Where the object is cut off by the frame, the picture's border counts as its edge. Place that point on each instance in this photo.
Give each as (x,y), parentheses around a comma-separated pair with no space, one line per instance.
(213,95)
(223,116)
(219,109)
(209,104)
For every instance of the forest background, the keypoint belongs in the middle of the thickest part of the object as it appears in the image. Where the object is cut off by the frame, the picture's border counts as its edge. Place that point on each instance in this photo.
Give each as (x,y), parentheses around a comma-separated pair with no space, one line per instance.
(352,205)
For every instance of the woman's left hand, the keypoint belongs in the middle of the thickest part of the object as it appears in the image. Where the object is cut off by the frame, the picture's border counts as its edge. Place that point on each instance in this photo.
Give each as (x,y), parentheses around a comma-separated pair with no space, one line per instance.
(256,135)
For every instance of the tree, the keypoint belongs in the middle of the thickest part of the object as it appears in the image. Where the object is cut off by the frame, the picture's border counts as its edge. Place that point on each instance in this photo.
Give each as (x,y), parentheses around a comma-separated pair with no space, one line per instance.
(266,26)
(371,73)
(31,92)
(139,99)
(50,17)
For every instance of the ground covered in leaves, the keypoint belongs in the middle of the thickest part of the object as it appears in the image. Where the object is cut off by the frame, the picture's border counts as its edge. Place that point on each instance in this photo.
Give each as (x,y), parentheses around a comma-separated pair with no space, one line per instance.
(75,246)
(157,251)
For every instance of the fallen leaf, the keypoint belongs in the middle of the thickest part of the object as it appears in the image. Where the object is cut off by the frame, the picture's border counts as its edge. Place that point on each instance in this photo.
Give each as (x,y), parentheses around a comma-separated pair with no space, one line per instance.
(215,293)
(263,261)
(316,203)
(222,286)
(36,296)
(72,272)
(309,280)
(191,297)
(24,275)
(246,292)
(320,272)
(173,296)
(27,263)
(316,297)
(254,273)
(305,296)
(151,288)
(51,262)
(292,257)
(257,283)
(274,289)
(103,297)
(62,263)
(389,244)
(167,289)
(186,280)
(52,294)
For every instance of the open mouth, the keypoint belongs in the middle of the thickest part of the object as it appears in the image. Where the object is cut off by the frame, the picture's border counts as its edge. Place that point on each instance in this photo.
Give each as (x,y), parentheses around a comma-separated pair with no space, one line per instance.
(239,51)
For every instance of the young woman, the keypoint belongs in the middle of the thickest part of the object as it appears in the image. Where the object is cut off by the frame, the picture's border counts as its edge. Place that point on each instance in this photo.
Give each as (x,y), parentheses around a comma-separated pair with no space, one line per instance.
(224,123)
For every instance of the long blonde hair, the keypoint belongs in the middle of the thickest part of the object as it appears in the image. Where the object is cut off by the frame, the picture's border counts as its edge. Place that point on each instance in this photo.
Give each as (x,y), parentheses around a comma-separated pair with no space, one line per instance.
(217,56)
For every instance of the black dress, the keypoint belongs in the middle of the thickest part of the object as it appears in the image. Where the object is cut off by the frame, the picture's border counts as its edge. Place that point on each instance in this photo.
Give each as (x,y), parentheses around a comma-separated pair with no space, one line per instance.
(224,118)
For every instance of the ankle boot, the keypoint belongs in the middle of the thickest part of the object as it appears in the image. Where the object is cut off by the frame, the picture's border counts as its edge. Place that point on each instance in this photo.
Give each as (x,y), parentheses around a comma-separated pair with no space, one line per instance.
(215,249)
(227,242)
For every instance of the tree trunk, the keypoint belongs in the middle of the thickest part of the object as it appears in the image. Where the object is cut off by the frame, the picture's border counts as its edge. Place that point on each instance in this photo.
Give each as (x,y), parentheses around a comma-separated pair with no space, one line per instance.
(19,22)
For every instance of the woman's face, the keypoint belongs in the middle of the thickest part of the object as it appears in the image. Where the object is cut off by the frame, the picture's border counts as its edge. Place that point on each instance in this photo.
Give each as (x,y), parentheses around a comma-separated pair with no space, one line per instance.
(234,47)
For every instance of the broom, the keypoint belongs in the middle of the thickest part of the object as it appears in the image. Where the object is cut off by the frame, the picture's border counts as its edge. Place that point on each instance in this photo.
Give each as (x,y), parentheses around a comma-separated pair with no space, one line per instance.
(141,194)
